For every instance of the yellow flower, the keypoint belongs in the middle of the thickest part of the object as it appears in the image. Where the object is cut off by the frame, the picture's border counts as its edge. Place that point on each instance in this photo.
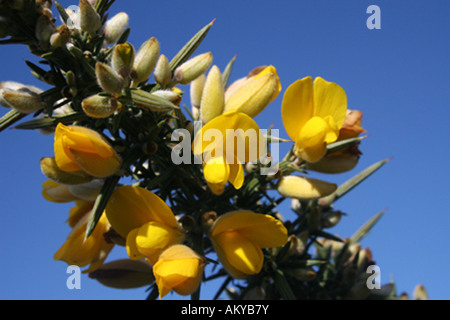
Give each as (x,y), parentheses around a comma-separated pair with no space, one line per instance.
(252,94)
(179,269)
(345,159)
(78,148)
(224,143)
(80,251)
(144,220)
(239,236)
(312,115)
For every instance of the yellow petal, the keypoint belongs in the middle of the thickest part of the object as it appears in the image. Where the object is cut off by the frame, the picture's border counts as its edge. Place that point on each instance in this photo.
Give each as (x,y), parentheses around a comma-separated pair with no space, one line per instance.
(312,141)
(78,148)
(263,230)
(180,269)
(80,251)
(236,176)
(63,157)
(216,171)
(96,166)
(297,106)
(153,237)
(131,207)
(238,130)
(132,249)
(329,100)
(239,252)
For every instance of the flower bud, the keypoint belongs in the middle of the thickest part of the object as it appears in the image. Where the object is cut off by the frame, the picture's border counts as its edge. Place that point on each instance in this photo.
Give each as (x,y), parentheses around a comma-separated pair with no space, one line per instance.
(6,86)
(115,27)
(51,171)
(193,68)
(122,59)
(108,79)
(44,30)
(196,90)
(145,61)
(58,193)
(171,95)
(304,188)
(162,73)
(87,191)
(23,100)
(60,37)
(253,94)
(124,274)
(213,96)
(331,218)
(337,162)
(420,293)
(90,20)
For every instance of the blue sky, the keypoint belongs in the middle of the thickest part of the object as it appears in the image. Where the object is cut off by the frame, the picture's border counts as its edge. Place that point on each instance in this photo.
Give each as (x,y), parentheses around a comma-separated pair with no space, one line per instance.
(398,76)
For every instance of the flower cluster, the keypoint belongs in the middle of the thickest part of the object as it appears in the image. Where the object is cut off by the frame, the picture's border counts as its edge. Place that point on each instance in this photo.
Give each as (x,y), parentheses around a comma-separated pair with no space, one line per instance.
(117,123)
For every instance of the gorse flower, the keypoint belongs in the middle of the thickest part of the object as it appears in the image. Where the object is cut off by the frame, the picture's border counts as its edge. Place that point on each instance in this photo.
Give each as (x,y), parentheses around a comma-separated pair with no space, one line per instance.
(239,236)
(313,113)
(79,250)
(180,269)
(224,143)
(79,148)
(347,158)
(144,220)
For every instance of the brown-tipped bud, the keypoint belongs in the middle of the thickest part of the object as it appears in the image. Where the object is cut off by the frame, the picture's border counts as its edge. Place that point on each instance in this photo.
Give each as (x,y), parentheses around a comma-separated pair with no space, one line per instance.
(108,79)
(420,293)
(162,73)
(124,274)
(23,100)
(115,27)
(196,90)
(172,96)
(331,218)
(145,61)
(98,106)
(208,220)
(193,68)
(90,20)
(60,37)
(122,60)
(8,86)
(51,171)
(213,96)
(304,188)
